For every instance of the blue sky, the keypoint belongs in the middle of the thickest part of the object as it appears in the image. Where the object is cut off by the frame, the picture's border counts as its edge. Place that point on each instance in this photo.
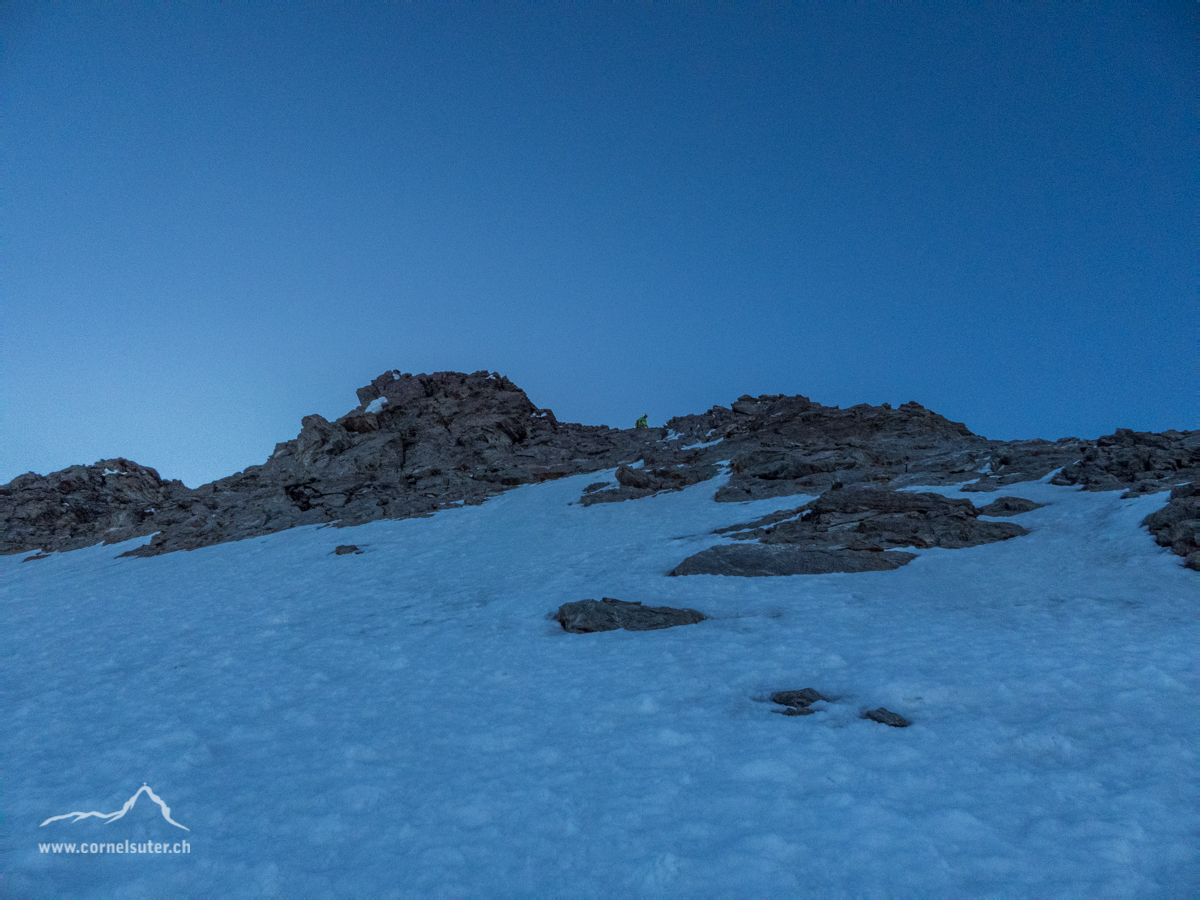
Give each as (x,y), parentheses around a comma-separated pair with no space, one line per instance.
(218,219)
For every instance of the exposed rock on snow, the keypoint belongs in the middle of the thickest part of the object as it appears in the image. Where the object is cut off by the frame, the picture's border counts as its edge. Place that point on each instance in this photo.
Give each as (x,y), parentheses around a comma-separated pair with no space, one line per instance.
(886,717)
(633,484)
(1177,525)
(419,443)
(867,519)
(1008,506)
(345,549)
(753,560)
(844,531)
(587,616)
(797,702)
(802,697)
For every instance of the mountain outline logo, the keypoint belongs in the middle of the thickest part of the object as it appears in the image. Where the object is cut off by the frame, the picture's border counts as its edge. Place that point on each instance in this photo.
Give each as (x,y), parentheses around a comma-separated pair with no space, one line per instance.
(113,816)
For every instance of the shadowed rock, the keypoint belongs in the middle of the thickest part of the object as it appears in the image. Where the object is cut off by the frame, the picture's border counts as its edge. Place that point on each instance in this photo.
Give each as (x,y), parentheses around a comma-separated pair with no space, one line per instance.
(846,530)
(886,717)
(633,484)
(415,444)
(1139,461)
(751,560)
(868,519)
(344,549)
(110,501)
(1177,525)
(587,616)
(1009,506)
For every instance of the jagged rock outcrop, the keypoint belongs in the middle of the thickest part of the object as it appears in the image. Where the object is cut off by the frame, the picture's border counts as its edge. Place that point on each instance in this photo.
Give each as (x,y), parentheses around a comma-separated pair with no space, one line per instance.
(419,443)
(1177,525)
(1139,462)
(607,614)
(415,444)
(109,501)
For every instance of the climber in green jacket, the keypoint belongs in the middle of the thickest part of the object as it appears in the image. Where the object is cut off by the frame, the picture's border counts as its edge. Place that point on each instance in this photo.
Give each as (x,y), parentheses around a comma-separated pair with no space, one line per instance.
(641,423)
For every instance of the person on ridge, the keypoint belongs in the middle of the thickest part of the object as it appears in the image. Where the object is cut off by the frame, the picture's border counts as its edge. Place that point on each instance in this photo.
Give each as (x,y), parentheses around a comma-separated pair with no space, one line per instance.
(641,423)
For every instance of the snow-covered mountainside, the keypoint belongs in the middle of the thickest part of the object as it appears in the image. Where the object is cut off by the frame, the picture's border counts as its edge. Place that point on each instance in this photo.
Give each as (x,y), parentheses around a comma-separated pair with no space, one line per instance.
(391,708)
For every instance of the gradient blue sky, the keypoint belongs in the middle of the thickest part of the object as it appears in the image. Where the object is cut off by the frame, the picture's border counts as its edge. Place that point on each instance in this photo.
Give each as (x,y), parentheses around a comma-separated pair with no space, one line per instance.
(221,218)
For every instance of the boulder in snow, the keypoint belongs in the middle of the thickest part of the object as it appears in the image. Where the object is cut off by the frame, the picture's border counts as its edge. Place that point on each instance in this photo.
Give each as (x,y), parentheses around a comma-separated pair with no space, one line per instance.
(586,616)
(1009,506)
(750,560)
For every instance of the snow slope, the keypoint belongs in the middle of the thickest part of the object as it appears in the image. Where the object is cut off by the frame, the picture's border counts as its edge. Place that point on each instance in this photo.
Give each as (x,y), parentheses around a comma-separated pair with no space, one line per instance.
(408,722)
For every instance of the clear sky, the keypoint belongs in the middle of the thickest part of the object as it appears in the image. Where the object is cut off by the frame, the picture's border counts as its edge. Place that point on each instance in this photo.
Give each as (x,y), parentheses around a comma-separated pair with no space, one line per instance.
(220,218)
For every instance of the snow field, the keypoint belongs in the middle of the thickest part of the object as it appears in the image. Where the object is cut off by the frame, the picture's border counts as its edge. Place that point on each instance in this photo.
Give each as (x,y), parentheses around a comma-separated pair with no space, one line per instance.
(408,722)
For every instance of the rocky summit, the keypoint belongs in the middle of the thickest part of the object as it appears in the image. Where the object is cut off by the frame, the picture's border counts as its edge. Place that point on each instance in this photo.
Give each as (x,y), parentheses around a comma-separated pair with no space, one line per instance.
(416,444)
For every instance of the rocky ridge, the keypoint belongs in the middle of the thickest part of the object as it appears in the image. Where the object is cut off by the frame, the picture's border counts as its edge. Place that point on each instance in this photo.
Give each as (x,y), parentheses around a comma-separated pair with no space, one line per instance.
(419,443)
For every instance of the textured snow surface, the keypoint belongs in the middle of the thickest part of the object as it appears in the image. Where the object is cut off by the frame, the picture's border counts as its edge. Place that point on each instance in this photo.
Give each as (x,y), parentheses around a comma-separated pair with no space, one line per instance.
(408,722)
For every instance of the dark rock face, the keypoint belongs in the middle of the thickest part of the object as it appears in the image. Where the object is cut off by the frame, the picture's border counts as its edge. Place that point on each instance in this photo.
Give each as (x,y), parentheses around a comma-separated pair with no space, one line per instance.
(753,560)
(1009,506)
(1177,525)
(1139,461)
(420,443)
(346,549)
(109,501)
(887,717)
(587,616)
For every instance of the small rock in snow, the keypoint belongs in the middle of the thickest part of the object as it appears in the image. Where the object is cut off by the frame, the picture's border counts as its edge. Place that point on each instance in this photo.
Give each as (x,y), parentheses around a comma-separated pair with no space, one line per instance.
(802,698)
(587,616)
(886,717)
